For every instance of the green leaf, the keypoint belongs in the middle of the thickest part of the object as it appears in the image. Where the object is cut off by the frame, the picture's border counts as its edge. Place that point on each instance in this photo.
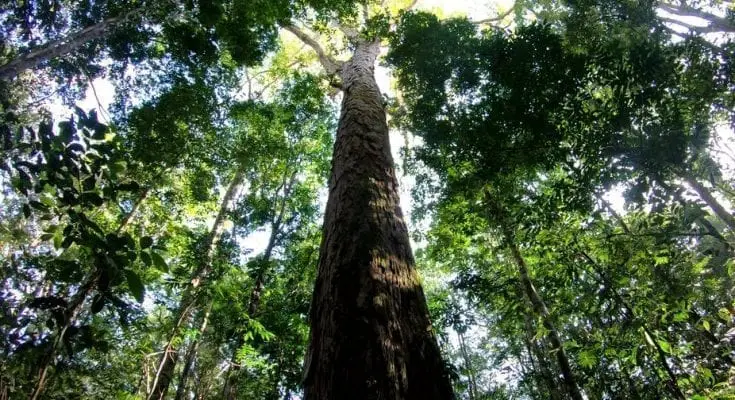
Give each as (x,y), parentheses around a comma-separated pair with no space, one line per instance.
(146,242)
(58,239)
(146,257)
(38,205)
(97,304)
(665,346)
(135,285)
(118,167)
(648,339)
(705,325)
(159,262)
(92,198)
(587,359)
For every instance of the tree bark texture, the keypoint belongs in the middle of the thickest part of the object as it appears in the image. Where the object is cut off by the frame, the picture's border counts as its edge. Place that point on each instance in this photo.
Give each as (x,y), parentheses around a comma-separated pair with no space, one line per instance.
(62,46)
(370,332)
(539,306)
(187,305)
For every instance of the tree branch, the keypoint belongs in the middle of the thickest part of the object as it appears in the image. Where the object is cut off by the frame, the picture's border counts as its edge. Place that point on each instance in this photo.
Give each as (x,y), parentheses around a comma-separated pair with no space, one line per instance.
(694,28)
(351,33)
(497,18)
(715,48)
(331,66)
(716,23)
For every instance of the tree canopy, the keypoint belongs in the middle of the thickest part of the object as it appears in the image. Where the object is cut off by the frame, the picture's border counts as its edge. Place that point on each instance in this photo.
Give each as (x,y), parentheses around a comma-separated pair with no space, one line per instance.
(225,229)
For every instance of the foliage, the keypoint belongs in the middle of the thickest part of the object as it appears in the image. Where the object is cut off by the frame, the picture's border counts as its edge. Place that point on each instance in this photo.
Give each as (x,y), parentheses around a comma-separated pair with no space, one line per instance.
(571,168)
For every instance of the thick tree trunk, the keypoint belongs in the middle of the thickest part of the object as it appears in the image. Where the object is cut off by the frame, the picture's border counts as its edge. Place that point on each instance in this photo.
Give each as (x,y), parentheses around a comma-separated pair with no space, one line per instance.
(540,308)
(63,45)
(370,332)
(74,308)
(167,363)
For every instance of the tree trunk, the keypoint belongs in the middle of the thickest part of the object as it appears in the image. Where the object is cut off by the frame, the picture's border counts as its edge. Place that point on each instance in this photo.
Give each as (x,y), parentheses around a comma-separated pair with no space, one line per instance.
(710,200)
(540,308)
(74,308)
(546,377)
(191,355)
(603,279)
(63,46)
(370,332)
(167,363)
(472,382)
(230,386)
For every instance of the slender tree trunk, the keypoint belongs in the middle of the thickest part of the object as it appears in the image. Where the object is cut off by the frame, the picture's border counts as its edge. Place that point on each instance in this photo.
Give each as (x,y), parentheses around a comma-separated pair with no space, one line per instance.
(73,308)
(472,383)
(536,352)
(540,308)
(191,355)
(187,305)
(711,202)
(230,386)
(63,46)
(702,221)
(370,332)
(604,280)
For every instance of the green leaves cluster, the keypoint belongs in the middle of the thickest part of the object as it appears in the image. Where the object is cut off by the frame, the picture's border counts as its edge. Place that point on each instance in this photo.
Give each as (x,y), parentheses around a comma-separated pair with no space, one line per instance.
(524,134)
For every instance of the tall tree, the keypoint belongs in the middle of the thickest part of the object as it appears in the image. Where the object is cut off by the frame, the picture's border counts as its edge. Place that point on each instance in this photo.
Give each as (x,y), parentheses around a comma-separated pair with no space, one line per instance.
(370,331)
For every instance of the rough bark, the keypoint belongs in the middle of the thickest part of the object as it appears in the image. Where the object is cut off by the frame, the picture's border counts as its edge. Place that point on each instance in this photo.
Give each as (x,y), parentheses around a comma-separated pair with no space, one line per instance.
(74,308)
(63,46)
(187,305)
(370,332)
(539,306)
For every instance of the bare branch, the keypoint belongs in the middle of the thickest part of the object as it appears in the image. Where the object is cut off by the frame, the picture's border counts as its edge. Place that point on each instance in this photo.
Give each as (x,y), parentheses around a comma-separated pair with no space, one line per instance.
(716,23)
(250,84)
(715,48)
(331,66)
(694,28)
